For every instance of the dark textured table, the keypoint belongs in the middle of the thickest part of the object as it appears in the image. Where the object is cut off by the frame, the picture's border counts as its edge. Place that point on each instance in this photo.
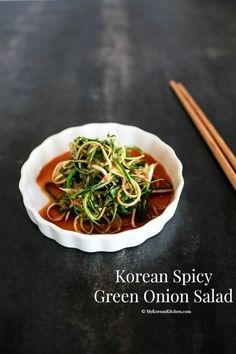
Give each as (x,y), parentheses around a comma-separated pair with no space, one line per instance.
(66,63)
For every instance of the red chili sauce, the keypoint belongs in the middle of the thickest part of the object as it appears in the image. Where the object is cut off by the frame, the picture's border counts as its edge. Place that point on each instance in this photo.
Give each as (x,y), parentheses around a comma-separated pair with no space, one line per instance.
(156,202)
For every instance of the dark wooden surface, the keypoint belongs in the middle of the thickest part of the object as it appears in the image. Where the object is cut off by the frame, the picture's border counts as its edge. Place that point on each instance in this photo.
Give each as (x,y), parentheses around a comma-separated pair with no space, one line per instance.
(65,63)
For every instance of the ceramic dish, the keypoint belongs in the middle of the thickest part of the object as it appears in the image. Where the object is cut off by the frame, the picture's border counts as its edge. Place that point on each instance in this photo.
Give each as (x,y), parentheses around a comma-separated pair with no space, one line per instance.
(34,199)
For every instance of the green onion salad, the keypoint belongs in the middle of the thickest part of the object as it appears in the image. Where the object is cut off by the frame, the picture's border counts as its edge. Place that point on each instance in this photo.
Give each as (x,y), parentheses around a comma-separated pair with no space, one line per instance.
(102,181)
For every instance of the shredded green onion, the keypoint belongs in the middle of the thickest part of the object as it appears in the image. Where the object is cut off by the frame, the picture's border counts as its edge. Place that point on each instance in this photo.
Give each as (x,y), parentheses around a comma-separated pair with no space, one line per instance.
(102,181)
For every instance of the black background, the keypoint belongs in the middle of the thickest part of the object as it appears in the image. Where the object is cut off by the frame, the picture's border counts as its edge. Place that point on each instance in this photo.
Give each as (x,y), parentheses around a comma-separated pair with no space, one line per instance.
(72,62)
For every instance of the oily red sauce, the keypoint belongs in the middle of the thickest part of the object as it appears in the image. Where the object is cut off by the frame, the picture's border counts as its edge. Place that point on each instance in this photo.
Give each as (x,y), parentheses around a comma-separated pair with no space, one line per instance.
(157,202)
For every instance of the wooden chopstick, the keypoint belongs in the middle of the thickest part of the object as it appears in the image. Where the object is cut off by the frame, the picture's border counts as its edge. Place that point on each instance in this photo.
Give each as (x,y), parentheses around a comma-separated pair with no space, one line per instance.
(218,139)
(218,147)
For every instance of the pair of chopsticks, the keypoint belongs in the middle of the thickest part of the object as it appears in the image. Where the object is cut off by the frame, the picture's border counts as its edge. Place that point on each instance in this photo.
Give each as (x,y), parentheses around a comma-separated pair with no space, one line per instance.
(215,142)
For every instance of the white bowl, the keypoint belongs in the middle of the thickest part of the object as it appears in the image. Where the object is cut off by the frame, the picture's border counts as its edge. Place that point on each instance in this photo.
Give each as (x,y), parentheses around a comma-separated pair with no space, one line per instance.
(34,199)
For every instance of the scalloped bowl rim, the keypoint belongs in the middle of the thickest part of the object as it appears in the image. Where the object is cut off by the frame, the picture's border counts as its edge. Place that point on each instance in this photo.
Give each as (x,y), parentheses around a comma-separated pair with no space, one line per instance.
(100,242)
